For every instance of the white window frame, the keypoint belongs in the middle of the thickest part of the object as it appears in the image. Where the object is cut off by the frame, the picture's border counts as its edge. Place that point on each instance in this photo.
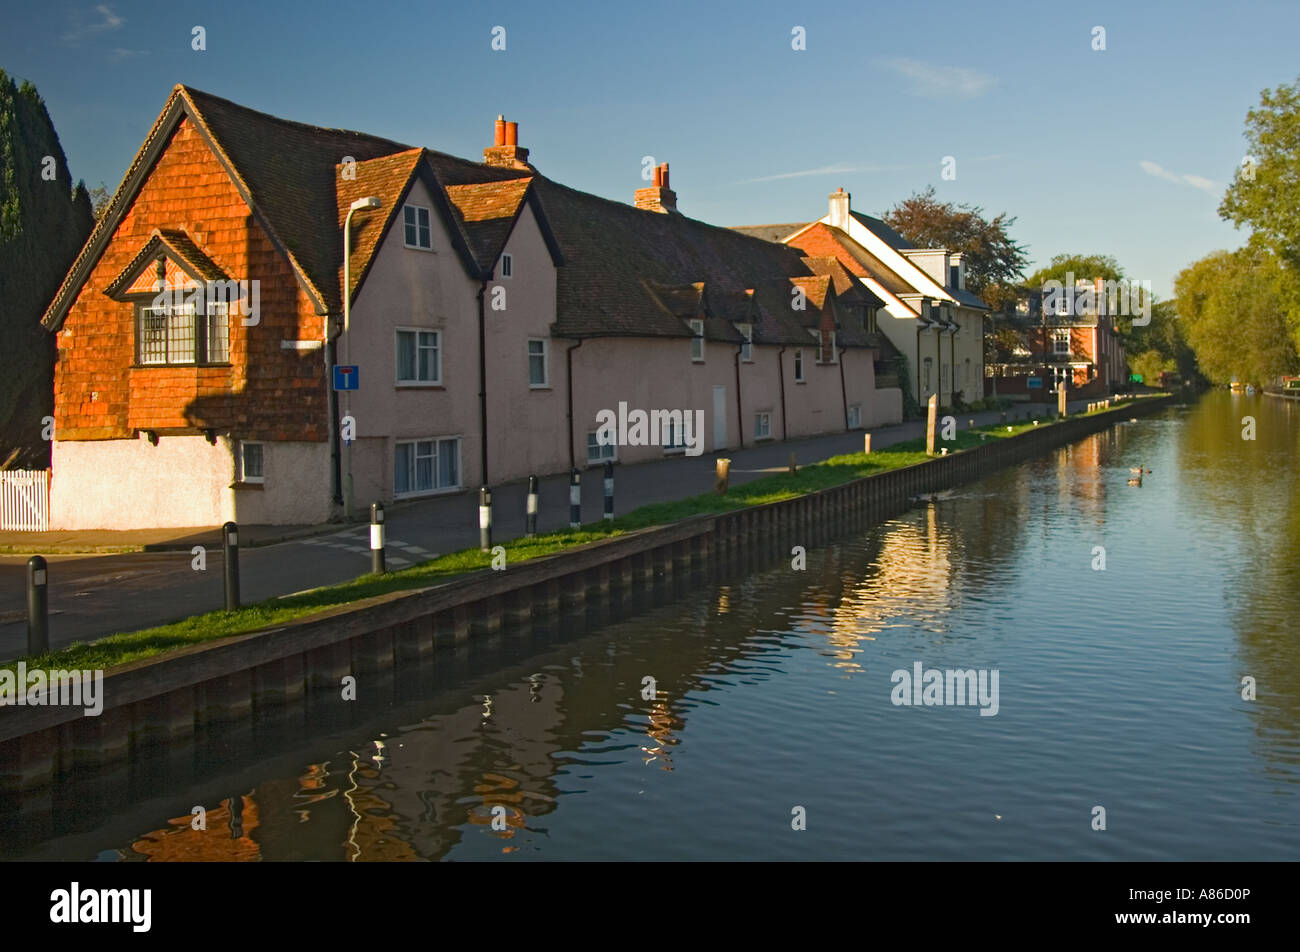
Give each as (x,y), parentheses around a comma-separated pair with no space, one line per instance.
(607,451)
(397,356)
(435,490)
(428,219)
(855,416)
(763,424)
(545,355)
(799,372)
(821,348)
(697,341)
(1058,339)
(507,266)
(242,474)
(747,348)
(168,314)
(674,441)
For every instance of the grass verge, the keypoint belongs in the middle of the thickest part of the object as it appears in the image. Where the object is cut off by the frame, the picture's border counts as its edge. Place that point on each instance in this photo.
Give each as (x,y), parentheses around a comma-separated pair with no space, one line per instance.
(125,647)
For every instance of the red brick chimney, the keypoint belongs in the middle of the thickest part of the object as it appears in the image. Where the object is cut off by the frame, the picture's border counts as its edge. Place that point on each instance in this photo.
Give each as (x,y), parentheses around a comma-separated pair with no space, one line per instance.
(658,197)
(505,151)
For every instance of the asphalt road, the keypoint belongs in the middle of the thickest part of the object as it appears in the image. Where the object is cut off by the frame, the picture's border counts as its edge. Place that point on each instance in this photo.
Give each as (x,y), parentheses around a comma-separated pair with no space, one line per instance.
(95,595)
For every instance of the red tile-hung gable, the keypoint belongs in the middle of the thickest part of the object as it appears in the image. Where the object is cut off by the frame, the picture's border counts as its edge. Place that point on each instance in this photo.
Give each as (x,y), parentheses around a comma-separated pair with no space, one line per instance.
(820,242)
(266,392)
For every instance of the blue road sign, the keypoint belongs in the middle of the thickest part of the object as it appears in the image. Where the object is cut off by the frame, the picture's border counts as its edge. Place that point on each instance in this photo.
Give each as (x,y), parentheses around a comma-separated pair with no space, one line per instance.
(346,377)
(1033,383)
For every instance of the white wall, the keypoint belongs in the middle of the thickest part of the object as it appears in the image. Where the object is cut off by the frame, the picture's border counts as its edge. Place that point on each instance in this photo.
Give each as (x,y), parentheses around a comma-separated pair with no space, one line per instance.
(183,482)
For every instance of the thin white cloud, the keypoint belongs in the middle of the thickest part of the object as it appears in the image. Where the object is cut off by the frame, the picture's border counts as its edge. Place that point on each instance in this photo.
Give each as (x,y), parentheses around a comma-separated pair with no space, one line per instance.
(102,19)
(941,82)
(826,170)
(843,169)
(1195,181)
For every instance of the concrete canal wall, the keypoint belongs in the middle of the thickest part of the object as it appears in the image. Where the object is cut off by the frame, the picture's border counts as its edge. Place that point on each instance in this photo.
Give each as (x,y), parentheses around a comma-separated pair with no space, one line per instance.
(160,704)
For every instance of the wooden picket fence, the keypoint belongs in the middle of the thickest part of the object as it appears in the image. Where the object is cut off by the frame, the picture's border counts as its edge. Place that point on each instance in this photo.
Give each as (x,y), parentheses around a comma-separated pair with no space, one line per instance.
(25,500)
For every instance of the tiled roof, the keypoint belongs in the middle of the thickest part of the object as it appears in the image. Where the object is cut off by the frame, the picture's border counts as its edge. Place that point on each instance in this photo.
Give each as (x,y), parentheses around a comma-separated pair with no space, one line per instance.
(883,231)
(386,178)
(617,259)
(291,172)
(968,299)
(769,232)
(847,289)
(487,212)
(821,240)
(180,246)
(617,255)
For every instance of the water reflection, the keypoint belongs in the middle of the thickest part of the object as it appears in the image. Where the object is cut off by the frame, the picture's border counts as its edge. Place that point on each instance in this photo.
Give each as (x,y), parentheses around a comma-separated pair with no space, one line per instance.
(1119,686)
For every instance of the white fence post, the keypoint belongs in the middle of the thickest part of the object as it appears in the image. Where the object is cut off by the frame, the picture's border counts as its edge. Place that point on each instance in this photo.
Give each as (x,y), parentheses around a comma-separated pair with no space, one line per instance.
(25,500)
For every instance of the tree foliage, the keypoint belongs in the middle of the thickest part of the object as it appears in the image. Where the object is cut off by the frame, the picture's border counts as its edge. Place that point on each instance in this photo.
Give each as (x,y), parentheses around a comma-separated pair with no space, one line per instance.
(43,224)
(1239,313)
(1266,193)
(992,258)
(1085,267)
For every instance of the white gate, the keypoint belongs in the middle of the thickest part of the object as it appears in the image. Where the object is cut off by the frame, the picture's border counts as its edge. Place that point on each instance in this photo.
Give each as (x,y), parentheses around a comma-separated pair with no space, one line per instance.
(25,500)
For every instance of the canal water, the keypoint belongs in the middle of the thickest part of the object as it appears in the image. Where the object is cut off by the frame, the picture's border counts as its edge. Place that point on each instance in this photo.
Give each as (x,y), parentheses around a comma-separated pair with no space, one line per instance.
(772,703)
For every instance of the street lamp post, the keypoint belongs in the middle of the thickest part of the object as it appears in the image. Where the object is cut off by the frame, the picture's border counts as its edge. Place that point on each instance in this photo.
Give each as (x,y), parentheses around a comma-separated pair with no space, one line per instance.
(361,204)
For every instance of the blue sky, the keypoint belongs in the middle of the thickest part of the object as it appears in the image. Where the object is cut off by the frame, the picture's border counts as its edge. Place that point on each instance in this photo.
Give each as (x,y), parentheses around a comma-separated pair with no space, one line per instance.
(1123,151)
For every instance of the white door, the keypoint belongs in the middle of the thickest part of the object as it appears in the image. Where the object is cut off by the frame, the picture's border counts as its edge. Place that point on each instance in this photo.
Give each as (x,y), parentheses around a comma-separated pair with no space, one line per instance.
(719,418)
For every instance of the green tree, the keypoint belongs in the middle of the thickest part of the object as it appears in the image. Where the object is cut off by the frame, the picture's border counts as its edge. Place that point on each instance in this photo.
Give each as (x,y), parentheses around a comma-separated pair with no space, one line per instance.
(99,199)
(1265,193)
(1238,313)
(44,221)
(993,260)
(1161,346)
(1083,267)
(994,263)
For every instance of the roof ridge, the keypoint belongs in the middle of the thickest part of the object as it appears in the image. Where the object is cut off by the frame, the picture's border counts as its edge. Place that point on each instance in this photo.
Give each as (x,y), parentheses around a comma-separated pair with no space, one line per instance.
(302,126)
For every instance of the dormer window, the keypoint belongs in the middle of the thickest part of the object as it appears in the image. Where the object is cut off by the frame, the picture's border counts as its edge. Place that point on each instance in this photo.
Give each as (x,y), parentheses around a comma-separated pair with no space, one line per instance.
(419,233)
(747,348)
(826,347)
(697,341)
(182,301)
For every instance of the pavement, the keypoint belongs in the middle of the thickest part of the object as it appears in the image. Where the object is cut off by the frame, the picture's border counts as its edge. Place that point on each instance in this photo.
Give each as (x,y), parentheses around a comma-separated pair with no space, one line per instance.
(107,581)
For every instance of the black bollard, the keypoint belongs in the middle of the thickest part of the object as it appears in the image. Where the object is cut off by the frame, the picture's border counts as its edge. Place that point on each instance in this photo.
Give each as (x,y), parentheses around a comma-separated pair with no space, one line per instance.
(609,490)
(38,607)
(230,553)
(531,509)
(378,564)
(575,499)
(484,518)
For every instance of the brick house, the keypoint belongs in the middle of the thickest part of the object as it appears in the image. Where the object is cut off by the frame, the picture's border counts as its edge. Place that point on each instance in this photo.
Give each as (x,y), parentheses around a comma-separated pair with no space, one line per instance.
(1084,349)
(494,314)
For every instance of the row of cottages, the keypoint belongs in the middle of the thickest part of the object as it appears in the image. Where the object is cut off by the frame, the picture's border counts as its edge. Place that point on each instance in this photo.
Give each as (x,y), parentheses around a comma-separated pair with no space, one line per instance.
(494,314)
(926,314)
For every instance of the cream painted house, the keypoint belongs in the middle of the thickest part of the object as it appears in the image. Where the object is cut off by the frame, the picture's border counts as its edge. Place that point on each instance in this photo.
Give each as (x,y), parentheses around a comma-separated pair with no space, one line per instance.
(927,314)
